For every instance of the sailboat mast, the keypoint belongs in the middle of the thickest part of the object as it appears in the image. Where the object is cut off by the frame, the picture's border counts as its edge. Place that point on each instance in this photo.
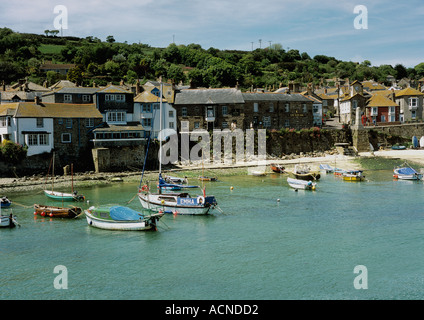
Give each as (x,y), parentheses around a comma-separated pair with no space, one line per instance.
(160,127)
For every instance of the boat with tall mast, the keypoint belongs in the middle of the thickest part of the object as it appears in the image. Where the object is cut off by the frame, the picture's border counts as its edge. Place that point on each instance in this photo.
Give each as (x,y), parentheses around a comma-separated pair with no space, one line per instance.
(62,196)
(173,202)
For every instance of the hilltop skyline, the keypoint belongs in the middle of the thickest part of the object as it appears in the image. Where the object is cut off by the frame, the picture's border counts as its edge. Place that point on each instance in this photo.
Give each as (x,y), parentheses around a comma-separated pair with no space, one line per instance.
(393,36)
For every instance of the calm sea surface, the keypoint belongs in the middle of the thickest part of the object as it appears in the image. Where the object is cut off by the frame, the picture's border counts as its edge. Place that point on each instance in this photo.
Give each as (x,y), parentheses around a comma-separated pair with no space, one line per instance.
(304,246)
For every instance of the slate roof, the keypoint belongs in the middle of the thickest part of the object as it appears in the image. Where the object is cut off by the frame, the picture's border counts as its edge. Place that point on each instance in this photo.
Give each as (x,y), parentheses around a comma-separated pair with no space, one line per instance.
(208,96)
(256,96)
(52,110)
(74,90)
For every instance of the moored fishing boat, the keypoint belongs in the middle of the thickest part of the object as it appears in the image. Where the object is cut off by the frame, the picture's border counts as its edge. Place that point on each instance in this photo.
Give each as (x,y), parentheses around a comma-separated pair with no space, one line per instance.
(406,172)
(173,202)
(326,168)
(121,218)
(62,196)
(353,175)
(8,221)
(177,203)
(56,212)
(277,168)
(301,184)
(303,172)
(5,202)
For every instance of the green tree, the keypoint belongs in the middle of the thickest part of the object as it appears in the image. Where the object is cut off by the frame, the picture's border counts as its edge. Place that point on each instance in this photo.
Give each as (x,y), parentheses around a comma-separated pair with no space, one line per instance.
(76,74)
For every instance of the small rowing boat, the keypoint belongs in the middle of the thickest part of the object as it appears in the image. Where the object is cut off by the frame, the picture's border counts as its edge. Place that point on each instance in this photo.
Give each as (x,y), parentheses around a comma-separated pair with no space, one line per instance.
(301,184)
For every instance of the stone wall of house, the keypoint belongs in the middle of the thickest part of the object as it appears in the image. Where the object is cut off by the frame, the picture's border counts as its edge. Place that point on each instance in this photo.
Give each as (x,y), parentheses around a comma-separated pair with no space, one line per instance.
(280,144)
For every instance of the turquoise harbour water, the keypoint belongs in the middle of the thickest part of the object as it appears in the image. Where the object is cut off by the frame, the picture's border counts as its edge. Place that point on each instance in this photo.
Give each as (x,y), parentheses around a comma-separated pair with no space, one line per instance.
(305,246)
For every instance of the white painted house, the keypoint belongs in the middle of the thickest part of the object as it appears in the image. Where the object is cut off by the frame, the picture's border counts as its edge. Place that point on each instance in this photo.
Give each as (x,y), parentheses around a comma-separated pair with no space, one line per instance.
(44,126)
(146,109)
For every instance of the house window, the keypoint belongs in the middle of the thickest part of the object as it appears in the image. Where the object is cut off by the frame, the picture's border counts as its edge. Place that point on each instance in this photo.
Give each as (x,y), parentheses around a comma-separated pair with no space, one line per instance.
(255,107)
(89,122)
(67,98)
(267,122)
(392,118)
(116,116)
(146,108)
(60,121)
(171,125)
(43,139)
(287,123)
(32,140)
(305,108)
(413,114)
(120,97)
(271,107)
(85,98)
(224,110)
(66,138)
(171,113)
(287,107)
(3,122)
(197,125)
(354,104)
(413,102)
(224,124)
(68,123)
(40,123)
(146,122)
(316,109)
(184,111)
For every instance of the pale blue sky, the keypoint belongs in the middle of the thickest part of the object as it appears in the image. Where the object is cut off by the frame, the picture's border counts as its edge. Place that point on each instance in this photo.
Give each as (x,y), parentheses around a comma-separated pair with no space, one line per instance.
(395,31)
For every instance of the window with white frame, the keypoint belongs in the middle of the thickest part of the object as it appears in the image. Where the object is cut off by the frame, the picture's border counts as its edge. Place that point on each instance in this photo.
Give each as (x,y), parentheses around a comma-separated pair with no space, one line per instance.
(255,107)
(413,102)
(89,122)
(116,116)
(287,107)
(171,125)
(43,139)
(86,98)
(224,124)
(271,107)
(171,113)
(32,139)
(67,98)
(66,138)
(196,125)
(184,111)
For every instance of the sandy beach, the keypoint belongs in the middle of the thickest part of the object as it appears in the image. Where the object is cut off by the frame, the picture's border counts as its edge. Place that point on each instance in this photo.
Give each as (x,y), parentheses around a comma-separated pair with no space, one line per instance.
(192,171)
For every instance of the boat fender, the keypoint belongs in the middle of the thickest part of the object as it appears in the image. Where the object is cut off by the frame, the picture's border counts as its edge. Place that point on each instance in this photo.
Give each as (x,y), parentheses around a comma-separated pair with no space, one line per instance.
(43,213)
(200,200)
(50,214)
(145,188)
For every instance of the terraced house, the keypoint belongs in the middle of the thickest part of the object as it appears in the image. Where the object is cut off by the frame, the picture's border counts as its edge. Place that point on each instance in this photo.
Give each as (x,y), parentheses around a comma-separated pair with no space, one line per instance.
(46,126)
(230,108)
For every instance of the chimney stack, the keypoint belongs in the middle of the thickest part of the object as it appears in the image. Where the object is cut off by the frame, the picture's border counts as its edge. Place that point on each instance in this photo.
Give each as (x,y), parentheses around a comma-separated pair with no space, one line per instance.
(37,100)
(137,87)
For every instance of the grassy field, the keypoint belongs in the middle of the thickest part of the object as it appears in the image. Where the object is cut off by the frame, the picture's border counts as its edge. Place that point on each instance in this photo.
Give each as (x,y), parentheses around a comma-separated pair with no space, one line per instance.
(50,48)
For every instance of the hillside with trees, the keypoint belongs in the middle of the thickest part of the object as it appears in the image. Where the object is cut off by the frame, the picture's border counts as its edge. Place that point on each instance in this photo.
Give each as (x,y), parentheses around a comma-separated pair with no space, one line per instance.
(21,55)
